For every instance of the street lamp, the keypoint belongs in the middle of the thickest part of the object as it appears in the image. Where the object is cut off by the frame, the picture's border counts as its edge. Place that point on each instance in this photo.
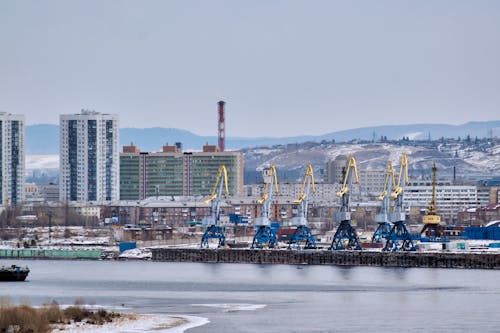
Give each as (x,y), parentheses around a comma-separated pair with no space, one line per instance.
(50,227)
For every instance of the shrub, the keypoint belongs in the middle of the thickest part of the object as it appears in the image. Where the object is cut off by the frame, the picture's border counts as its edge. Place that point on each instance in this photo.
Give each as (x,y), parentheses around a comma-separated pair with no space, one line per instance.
(26,318)
(76,313)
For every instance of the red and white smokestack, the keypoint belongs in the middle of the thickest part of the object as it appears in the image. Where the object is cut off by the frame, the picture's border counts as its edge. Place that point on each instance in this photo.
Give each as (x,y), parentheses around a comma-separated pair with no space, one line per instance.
(222,126)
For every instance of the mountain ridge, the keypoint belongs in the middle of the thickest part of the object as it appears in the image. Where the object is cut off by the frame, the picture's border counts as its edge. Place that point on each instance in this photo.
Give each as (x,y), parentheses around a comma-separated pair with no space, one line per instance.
(44,138)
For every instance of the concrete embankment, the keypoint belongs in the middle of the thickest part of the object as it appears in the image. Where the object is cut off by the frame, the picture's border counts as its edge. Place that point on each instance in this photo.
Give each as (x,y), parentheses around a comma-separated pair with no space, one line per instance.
(343,258)
(50,254)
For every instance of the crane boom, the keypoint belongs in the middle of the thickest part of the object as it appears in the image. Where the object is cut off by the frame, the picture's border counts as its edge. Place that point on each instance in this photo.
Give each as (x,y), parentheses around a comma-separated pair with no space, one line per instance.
(351,170)
(302,200)
(403,174)
(271,181)
(220,185)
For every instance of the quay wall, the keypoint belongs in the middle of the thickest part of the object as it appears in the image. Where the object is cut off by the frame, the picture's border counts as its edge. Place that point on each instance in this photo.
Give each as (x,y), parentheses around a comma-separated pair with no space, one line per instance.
(481,260)
(50,254)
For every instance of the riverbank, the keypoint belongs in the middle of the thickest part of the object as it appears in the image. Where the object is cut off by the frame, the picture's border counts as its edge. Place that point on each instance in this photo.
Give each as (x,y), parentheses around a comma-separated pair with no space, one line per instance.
(75,319)
(138,323)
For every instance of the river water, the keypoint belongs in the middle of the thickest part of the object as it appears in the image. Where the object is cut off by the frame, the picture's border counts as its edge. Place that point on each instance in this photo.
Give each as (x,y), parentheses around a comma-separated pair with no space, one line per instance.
(274,298)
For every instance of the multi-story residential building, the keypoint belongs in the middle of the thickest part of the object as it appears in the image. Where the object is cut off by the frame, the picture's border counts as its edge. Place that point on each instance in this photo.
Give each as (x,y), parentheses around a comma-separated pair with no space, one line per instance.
(89,157)
(12,158)
(50,192)
(371,181)
(334,170)
(174,173)
(450,199)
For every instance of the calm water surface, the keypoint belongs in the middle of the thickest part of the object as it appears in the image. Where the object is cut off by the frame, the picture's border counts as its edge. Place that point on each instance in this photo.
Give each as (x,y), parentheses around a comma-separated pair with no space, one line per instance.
(275,298)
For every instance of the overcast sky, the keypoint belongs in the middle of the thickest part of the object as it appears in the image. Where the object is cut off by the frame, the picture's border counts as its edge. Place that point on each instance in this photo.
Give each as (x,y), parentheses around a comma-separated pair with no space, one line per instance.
(283,67)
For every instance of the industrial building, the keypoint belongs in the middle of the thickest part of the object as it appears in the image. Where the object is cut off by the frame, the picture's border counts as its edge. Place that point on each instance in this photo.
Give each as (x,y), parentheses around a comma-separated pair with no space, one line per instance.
(324,195)
(89,157)
(12,157)
(172,172)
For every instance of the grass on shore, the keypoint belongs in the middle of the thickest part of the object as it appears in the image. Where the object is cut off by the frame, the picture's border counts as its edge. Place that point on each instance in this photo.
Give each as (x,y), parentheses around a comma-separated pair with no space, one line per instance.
(27,319)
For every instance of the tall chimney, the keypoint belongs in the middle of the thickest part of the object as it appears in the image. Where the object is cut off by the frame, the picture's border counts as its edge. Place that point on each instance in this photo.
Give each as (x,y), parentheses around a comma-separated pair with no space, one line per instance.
(222,126)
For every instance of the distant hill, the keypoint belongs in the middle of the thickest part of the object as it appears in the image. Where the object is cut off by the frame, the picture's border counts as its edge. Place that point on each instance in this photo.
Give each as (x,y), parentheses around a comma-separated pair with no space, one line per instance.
(44,139)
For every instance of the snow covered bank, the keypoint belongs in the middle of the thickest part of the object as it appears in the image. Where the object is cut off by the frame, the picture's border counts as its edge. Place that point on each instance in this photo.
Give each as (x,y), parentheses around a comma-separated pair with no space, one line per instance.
(139,323)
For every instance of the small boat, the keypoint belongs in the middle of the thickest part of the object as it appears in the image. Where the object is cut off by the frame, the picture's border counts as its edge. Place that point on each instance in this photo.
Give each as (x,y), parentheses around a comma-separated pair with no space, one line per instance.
(13,273)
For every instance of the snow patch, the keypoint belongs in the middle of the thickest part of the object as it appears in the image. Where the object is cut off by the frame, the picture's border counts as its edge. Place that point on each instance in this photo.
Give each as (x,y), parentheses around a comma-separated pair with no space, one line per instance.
(232,307)
(42,162)
(137,253)
(414,135)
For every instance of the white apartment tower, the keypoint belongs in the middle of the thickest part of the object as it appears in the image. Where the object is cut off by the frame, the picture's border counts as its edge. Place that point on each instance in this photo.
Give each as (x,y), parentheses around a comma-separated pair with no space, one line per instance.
(89,157)
(12,158)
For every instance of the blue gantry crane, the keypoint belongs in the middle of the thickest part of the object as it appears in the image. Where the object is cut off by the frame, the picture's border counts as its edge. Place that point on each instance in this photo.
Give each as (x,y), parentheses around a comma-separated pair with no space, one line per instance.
(302,234)
(399,238)
(345,237)
(264,233)
(383,217)
(212,223)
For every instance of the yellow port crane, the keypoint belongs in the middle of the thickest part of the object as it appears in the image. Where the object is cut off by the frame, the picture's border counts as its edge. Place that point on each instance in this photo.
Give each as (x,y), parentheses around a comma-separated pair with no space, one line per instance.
(303,234)
(383,218)
(212,222)
(399,238)
(431,219)
(431,216)
(345,237)
(264,233)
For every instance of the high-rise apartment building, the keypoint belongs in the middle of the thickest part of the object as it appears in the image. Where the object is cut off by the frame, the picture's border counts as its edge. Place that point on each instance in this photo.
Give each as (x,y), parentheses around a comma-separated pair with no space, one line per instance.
(89,157)
(334,170)
(174,173)
(12,156)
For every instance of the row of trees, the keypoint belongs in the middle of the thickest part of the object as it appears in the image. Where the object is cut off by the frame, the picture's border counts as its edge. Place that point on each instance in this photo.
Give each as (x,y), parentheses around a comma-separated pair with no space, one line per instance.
(44,215)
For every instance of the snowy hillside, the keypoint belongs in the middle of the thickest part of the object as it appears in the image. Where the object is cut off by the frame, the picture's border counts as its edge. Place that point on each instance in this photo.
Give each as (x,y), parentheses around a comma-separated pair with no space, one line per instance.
(469,160)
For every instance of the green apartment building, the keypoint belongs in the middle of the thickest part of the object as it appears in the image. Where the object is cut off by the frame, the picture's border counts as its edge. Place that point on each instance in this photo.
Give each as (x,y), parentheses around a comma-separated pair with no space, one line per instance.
(173,173)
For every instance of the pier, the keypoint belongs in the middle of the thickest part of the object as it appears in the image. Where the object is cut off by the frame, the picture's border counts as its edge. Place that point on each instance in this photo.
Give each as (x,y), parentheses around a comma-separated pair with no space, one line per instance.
(481,260)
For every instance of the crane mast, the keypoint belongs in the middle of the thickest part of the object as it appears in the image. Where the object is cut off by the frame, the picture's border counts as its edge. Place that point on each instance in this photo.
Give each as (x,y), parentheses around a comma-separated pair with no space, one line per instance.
(345,237)
(212,222)
(264,233)
(303,234)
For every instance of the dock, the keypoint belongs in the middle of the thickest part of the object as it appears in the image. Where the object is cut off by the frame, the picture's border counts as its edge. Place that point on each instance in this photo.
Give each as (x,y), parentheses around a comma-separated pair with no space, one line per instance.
(468,260)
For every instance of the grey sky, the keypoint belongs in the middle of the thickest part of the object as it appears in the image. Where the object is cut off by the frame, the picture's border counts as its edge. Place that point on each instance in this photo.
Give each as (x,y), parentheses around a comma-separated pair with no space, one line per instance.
(284,67)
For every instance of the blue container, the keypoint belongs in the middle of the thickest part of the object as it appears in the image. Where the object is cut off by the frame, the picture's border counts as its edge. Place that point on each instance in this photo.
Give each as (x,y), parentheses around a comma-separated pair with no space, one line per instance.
(124,246)
(275,226)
